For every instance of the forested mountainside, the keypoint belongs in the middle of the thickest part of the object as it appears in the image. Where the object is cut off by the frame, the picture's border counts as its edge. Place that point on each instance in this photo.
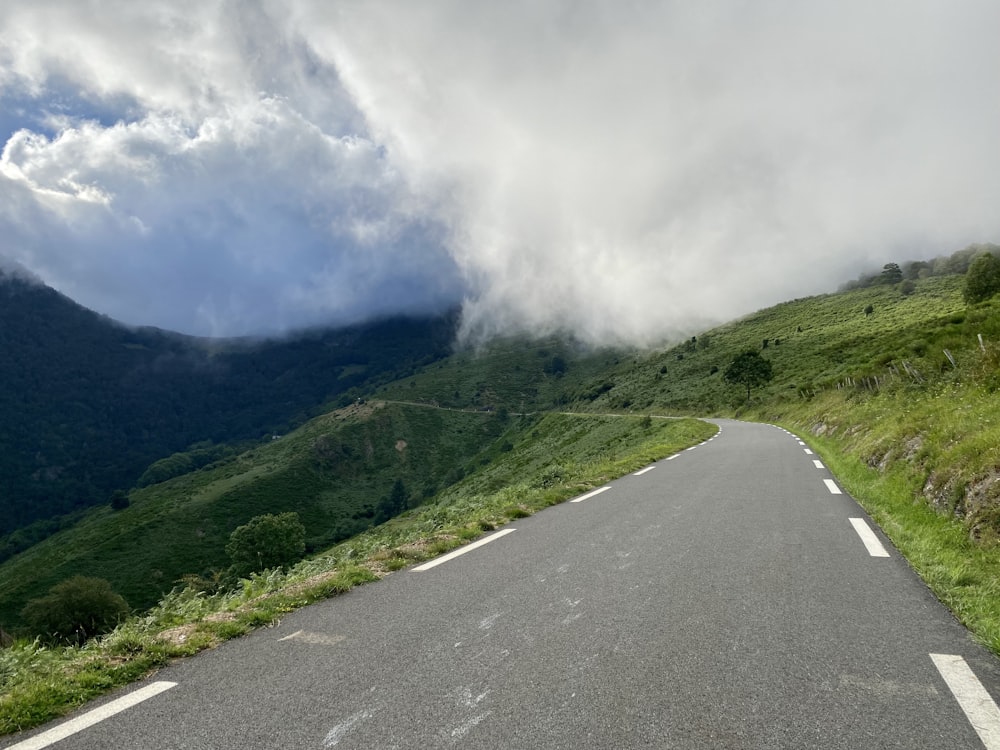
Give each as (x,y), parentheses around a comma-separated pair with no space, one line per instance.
(87,404)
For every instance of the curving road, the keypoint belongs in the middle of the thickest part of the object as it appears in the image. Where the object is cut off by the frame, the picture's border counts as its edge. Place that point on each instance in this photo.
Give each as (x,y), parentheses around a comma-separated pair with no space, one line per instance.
(722,598)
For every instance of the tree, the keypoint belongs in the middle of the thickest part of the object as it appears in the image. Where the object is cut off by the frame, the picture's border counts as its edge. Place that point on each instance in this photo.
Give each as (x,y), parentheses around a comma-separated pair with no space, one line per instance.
(75,610)
(393,504)
(268,541)
(891,273)
(749,369)
(982,280)
(119,500)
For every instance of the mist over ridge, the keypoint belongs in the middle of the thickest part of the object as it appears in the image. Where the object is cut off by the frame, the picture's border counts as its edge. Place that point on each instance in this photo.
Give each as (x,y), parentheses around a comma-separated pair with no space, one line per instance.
(627,173)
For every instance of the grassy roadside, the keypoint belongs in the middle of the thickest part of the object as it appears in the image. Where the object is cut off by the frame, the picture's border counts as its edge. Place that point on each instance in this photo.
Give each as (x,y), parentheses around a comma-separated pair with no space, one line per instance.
(964,575)
(550,459)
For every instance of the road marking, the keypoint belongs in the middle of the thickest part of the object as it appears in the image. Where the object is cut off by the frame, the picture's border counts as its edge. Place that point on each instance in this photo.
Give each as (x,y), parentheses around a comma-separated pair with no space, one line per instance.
(318,639)
(673,456)
(871,542)
(832,486)
(92,717)
(461,551)
(808,452)
(591,494)
(817,464)
(643,471)
(977,704)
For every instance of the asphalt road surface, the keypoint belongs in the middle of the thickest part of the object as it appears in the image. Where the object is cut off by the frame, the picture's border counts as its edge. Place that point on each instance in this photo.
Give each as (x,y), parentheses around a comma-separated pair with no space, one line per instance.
(722,598)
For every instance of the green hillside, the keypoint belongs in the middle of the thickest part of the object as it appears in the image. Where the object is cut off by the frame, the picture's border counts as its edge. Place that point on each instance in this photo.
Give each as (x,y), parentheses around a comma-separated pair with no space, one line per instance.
(333,472)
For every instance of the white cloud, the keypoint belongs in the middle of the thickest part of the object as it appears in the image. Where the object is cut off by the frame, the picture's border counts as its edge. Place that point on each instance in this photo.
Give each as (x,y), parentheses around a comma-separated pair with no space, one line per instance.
(627,171)
(238,193)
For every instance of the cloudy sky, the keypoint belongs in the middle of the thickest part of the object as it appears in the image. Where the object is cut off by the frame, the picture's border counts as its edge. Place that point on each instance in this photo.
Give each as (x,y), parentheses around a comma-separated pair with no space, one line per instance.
(625,170)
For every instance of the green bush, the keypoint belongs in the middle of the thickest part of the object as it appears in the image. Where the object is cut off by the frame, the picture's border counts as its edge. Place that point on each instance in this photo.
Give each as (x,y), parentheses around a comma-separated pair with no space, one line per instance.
(75,610)
(982,280)
(268,541)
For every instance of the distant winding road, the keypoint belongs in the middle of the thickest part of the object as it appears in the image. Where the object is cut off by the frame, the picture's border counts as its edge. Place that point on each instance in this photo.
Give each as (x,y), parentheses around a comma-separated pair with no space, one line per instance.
(730,596)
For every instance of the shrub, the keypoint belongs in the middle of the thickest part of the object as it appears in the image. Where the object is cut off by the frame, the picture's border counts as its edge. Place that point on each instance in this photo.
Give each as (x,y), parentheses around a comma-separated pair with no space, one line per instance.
(982,280)
(75,610)
(119,500)
(268,541)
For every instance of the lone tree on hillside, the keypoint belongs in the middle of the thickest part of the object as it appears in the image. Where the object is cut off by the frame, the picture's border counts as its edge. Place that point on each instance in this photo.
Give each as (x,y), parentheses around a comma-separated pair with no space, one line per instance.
(982,280)
(749,369)
(75,610)
(891,273)
(268,541)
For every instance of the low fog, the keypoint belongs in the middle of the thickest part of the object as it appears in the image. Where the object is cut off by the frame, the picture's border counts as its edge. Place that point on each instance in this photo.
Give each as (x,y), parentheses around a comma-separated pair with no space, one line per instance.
(625,172)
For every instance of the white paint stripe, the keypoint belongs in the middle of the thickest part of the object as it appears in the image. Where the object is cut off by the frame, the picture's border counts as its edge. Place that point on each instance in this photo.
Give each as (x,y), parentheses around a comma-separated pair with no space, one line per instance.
(808,452)
(643,471)
(871,542)
(92,717)
(818,464)
(832,486)
(692,447)
(671,458)
(979,707)
(591,494)
(462,550)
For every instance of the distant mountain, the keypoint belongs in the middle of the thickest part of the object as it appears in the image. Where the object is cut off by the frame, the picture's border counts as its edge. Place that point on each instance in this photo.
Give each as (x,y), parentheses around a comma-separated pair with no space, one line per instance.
(87,404)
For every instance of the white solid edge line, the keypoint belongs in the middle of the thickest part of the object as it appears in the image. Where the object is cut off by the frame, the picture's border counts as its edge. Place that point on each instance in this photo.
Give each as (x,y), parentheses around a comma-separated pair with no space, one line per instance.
(671,458)
(591,494)
(977,704)
(817,463)
(92,717)
(868,538)
(643,471)
(832,486)
(462,550)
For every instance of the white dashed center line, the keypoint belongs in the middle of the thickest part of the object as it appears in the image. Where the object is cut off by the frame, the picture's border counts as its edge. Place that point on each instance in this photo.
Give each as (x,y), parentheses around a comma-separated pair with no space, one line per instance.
(591,494)
(461,551)
(871,542)
(977,704)
(90,718)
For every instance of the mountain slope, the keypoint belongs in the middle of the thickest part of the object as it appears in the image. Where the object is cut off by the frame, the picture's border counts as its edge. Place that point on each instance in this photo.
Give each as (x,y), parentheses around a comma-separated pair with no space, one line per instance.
(88,404)
(334,471)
